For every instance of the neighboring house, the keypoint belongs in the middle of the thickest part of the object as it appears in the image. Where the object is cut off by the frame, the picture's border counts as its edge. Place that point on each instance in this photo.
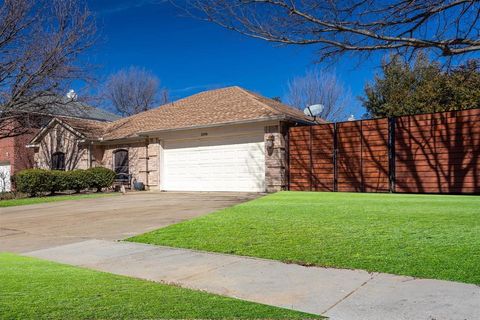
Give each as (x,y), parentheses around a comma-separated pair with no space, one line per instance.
(228,139)
(15,156)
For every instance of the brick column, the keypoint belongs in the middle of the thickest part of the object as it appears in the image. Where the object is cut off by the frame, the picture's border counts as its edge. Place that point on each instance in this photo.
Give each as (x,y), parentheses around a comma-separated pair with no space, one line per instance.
(275,163)
(153,164)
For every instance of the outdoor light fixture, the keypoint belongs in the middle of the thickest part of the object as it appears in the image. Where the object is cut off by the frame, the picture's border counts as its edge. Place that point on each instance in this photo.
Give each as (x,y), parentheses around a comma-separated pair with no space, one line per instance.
(269,143)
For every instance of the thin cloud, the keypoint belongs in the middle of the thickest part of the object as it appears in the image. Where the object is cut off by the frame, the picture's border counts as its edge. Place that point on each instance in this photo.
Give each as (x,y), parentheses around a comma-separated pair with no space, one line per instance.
(199,88)
(130,5)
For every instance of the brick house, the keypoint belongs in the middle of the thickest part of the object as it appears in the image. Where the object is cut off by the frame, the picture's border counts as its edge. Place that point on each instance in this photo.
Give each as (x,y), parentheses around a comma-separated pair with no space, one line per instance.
(14,154)
(227,139)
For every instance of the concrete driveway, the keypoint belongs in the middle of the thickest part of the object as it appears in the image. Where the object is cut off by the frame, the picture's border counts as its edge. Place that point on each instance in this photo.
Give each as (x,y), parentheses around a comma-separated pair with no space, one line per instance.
(34,227)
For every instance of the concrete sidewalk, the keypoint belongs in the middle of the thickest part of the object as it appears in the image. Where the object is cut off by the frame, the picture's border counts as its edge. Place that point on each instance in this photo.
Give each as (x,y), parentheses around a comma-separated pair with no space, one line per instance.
(336,293)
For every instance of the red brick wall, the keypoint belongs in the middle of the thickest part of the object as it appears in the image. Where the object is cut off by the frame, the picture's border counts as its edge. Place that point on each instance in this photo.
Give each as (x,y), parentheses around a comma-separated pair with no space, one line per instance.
(7,147)
(14,150)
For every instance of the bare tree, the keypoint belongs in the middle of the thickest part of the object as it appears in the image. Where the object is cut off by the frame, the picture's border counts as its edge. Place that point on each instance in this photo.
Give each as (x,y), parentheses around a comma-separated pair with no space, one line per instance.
(61,140)
(40,45)
(449,27)
(317,87)
(134,90)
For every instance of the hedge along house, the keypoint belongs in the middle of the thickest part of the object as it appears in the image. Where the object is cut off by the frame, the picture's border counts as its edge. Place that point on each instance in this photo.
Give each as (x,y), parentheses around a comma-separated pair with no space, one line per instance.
(227,139)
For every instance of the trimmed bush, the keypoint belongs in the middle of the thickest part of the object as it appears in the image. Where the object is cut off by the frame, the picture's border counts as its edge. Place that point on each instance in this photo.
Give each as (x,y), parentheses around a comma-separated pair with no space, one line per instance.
(78,180)
(100,177)
(36,181)
(60,181)
(33,181)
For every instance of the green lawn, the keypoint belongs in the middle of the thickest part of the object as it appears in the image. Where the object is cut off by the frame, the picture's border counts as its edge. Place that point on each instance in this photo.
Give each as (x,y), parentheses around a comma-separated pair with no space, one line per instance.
(429,236)
(38,289)
(25,201)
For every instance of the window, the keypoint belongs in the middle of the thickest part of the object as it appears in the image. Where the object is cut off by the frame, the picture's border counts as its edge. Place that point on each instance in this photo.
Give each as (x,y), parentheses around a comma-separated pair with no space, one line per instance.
(58,161)
(120,163)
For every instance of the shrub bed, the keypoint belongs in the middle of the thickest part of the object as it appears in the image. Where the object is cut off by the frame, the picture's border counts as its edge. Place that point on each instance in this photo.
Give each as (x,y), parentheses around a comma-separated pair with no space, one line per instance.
(40,181)
(33,181)
(100,177)
(79,180)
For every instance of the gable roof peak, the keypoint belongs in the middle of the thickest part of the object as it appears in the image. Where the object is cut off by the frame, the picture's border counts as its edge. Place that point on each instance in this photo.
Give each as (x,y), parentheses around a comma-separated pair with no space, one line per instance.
(82,128)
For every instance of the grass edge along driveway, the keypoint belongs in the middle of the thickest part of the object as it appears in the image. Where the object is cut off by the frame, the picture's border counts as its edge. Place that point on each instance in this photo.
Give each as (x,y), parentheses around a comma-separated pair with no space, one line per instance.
(48,199)
(37,289)
(426,236)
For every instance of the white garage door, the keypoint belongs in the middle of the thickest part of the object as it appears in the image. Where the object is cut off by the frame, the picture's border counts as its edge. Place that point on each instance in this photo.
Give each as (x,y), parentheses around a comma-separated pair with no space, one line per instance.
(4,177)
(222,164)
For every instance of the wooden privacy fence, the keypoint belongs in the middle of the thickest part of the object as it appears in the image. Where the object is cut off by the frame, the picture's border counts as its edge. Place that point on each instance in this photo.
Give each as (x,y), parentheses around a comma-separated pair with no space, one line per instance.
(428,153)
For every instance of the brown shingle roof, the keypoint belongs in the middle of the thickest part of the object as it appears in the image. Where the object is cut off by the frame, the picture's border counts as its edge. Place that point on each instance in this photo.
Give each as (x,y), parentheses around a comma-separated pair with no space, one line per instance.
(227,105)
(86,128)
(91,129)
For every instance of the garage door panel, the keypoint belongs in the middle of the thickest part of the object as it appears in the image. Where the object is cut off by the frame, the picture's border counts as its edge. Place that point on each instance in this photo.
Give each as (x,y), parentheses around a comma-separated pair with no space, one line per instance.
(225,164)
(219,171)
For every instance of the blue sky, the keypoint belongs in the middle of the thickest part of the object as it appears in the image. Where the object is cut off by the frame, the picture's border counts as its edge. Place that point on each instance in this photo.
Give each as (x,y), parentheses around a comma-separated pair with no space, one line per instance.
(189,55)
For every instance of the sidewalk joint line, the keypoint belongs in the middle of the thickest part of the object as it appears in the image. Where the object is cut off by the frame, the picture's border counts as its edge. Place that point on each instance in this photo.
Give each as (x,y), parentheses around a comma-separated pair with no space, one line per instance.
(372,275)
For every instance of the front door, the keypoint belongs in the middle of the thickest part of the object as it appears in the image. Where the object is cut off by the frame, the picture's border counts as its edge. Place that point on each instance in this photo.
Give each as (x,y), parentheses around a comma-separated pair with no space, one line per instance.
(121,162)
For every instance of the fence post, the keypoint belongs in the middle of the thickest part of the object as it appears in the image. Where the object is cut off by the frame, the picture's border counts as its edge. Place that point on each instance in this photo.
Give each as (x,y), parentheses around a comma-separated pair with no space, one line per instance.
(287,157)
(362,179)
(335,149)
(391,153)
(311,158)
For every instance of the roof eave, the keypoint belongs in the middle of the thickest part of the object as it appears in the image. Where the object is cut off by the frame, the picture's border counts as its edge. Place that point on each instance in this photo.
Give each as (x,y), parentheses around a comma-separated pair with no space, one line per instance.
(152,132)
(144,134)
(300,121)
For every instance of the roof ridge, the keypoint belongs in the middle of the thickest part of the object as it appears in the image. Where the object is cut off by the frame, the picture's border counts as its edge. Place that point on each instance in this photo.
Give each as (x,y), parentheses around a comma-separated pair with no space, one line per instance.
(82,119)
(173,103)
(168,104)
(256,97)
(253,97)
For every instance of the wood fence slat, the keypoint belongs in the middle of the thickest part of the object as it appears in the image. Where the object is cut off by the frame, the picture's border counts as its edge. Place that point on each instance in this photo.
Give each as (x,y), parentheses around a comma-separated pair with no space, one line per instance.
(428,153)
